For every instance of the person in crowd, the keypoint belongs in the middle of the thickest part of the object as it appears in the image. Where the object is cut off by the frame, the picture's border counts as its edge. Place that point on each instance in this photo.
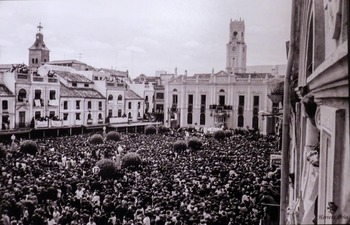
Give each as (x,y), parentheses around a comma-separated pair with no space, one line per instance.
(226,182)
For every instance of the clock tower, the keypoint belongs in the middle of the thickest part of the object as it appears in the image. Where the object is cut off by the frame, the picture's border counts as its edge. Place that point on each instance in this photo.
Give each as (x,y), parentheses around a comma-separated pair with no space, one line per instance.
(236,49)
(38,52)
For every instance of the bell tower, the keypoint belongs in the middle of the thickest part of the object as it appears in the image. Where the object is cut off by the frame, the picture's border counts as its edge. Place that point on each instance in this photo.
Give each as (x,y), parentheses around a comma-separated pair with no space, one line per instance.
(236,49)
(38,52)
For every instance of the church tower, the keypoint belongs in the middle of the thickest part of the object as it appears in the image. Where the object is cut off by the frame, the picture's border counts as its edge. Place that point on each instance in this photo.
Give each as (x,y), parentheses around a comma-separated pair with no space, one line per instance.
(38,53)
(236,49)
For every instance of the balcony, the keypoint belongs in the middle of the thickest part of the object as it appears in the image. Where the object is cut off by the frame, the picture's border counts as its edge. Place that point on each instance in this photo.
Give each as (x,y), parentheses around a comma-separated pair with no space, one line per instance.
(110,84)
(38,102)
(41,124)
(52,80)
(53,102)
(220,107)
(118,120)
(56,123)
(89,121)
(38,79)
(22,76)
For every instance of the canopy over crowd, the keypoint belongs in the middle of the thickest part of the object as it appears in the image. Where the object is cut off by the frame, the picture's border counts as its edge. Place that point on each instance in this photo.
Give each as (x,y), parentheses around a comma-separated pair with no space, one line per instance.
(226,182)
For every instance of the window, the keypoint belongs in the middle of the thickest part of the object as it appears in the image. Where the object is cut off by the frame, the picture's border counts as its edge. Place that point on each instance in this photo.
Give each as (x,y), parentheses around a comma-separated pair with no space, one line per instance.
(65,116)
(203,103)
(33,61)
(65,105)
(202,119)
(110,97)
(52,114)
(22,94)
(77,104)
(129,115)
(36,60)
(110,113)
(86,85)
(89,116)
(74,84)
(255,122)
(222,100)
(77,116)
(52,94)
(146,99)
(4,105)
(119,113)
(37,94)
(190,104)
(89,104)
(189,118)
(139,105)
(256,101)
(100,116)
(99,105)
(120,97)
(129,105)
(160,96)
(310,49)
(240,120)
(174,99)
(37,114)
(241,100)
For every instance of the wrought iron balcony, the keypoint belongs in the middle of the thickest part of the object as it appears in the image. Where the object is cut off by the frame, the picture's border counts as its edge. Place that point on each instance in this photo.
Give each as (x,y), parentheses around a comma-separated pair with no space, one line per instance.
(220,107)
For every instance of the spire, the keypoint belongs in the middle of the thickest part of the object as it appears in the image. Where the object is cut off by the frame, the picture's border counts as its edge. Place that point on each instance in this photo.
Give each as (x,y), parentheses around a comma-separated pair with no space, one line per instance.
(40,28)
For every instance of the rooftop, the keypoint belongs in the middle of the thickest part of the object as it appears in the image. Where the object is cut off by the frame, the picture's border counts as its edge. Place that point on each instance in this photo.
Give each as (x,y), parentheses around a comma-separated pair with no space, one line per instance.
(72,77)
(79,92)
(130,95)
(4,91)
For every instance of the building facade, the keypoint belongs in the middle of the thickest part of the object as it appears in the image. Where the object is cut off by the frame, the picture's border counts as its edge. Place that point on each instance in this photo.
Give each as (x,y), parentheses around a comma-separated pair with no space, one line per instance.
(319,132)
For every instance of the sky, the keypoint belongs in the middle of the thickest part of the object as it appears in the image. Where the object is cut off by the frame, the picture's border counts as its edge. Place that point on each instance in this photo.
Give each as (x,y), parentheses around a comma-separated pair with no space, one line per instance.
(144,36)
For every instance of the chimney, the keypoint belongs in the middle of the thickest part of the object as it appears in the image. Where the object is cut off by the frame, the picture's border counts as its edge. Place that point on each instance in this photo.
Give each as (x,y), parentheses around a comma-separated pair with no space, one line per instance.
(175,71)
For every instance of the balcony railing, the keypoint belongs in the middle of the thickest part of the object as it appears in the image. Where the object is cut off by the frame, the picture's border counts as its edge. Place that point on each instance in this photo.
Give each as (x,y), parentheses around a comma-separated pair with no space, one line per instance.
(220,107)
(110,84)
(22,76)
(38,79)
(38,102)
(52,80)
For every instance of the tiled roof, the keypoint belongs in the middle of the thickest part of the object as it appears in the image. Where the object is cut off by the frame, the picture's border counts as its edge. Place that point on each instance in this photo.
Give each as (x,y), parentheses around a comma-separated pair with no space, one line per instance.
(148,79)
(4,91)
(79,92)
(130,95)
(73,77)
(113,72)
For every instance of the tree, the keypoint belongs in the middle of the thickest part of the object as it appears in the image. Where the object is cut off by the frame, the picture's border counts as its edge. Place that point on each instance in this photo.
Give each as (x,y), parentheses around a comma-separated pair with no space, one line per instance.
(150,129)
(194,143)
(162,129)
(180,146)
(96,139)
(29,147)
(107,168)
(131,159)
(113,136)
(219,135)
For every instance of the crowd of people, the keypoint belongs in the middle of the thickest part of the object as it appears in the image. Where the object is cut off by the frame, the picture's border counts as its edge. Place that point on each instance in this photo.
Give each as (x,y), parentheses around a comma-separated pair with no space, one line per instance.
(226,182)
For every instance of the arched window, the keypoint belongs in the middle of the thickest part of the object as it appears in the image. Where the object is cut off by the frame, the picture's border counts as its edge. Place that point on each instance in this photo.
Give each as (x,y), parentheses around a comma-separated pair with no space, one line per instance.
(110,97)
(240,121)
(120,97)
(202,119)
(89,116)
(222,90)
(189,118)
(175,90)
(235,33)
(33,60)
(100,116)
(36,60)
(146,99)
(129,105)
(129,114)
(22,94)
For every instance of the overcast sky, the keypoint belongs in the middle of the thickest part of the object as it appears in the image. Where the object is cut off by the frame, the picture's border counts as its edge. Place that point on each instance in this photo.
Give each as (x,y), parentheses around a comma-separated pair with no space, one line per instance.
(144,36)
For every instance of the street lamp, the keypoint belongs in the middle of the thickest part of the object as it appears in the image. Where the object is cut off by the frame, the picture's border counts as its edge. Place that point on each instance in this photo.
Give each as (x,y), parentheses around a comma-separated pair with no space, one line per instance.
(104,130)
(13,138)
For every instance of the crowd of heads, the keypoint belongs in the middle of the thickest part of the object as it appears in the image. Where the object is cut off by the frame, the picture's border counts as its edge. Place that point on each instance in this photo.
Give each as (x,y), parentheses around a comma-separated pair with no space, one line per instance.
(225,182)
